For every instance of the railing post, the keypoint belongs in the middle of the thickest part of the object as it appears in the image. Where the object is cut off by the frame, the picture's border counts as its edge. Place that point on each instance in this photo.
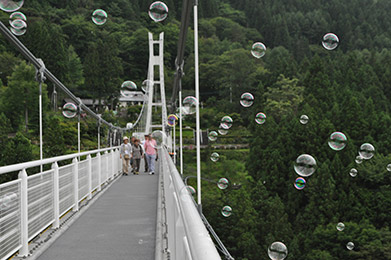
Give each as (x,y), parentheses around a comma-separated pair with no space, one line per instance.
(99,171)
(107,165)
(75,185)
(112,164)
(56,196)
(23,214)
(89,176)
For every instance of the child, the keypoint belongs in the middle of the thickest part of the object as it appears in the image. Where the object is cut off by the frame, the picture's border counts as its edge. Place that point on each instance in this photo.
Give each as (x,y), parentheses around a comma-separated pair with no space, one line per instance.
(137,154)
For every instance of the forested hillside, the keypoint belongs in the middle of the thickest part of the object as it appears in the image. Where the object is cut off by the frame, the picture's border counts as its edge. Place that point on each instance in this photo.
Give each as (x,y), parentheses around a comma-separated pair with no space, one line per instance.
(347,90)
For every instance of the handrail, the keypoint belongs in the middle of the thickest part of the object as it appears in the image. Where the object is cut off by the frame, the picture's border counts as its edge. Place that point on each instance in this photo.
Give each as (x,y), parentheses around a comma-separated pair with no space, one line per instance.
(191,238)
(26,165)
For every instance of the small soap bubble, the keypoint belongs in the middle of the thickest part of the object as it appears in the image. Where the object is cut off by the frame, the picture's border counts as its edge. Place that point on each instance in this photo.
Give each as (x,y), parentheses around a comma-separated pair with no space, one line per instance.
(18,27)
(389,167)
(260,118)
(17,15)
(277,251)
(226,122)
(159,137)
(247,99)
(305,165)
(222,131)
(304,119)
(350,246)
(158,11)
(300,183)
(340,226)
(10,6)
(226,211)
(337,141)
(359,159)
(330,41)
(146,85)
(353,172)
(258,50)
(69,110)
(212,136)
(99,17)
(214,157)
(172,119)
(191,189)
(189,105)
(223,183)
(367,151)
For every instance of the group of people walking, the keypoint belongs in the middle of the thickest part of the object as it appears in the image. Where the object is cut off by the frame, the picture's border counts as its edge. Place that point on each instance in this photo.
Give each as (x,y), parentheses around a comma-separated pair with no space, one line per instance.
(132,153)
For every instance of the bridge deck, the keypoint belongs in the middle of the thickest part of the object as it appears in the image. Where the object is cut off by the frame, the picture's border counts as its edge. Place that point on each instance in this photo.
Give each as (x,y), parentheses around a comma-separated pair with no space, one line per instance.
(121,224)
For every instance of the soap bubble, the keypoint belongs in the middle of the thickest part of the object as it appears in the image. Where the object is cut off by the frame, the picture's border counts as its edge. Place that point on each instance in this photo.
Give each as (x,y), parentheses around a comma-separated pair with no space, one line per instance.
(18,27)
(146,85)
(277,251)
(226,211)
(99,17)
(350,245)
(389,167)
(247,99)
(337,141)
(158,11)
(340,226)
(367,151)
(8,201)
(214,157)
(159,137)
(258,50)
(189,105)
(305,165)
(172,119)
(353,172)
(129,85)
(226,122)
(223,183)
(69,110)
(260,118)
(222,131)
(11,6)
(359,159)
(191,189)
(212,136)
(304,119)
(17,15)
(330,41)
(300,183)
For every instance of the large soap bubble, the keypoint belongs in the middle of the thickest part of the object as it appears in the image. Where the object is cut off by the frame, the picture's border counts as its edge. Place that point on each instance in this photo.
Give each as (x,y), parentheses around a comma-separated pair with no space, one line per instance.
(367,151)
(99,17)
(223,183)
(159,137)
(246,99)
(158,11)
(214,157)
(17,15)
(258,50)
(305,165)
(350,246)
(330,41)
(337,141)
(18,27)
(69,110)
(172,119)
(304,119)
(212,136)
(189,105)
(353,172)
(277,251)
(226,122)
(260,118)
(11,6)
(340,226)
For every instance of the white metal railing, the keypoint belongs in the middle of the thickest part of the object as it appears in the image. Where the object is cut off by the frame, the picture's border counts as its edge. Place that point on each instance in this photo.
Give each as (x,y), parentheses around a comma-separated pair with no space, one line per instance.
(186,234)
(30,204)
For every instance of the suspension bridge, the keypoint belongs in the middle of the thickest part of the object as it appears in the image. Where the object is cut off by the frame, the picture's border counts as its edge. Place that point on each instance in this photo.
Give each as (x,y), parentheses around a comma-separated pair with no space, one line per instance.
(82,207)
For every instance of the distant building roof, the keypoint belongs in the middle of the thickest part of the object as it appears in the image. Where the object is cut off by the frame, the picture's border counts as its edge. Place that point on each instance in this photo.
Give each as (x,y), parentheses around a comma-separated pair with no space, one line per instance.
(132,96)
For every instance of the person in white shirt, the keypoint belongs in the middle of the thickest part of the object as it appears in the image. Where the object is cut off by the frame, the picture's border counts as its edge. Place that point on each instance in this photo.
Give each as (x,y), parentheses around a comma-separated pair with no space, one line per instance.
(125,155)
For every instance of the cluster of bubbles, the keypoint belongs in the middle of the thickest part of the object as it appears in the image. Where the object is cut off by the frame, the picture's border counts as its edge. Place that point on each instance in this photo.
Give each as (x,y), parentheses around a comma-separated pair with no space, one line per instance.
(171,120)
(340,227)
(366,152)
(18,22)
(69,110)
(158,11)
(214,157)
(99,17)
(277,251)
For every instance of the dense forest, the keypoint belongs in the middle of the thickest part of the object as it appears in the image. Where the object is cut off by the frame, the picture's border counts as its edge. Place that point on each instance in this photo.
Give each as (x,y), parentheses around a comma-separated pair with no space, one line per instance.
(347,89)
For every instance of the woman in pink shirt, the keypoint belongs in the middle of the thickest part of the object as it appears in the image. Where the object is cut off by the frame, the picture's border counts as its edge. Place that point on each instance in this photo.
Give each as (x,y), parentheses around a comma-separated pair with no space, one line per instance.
(150,148)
